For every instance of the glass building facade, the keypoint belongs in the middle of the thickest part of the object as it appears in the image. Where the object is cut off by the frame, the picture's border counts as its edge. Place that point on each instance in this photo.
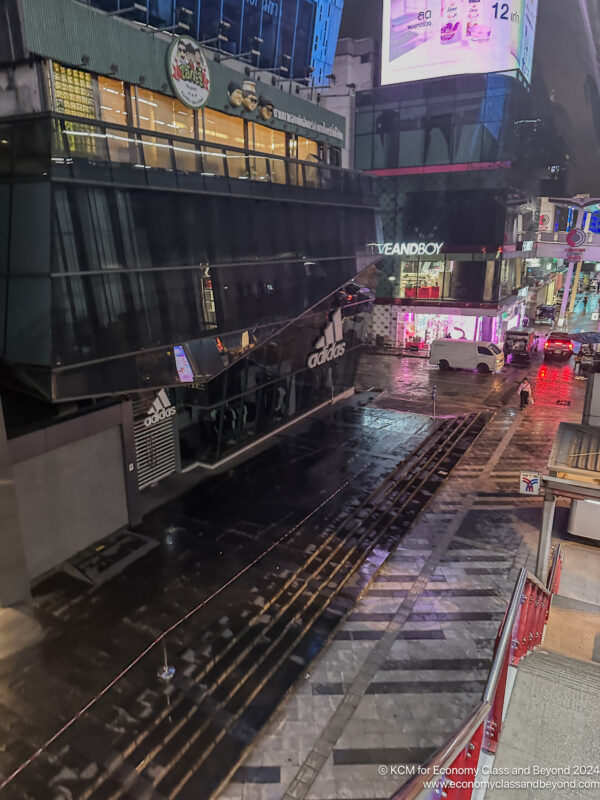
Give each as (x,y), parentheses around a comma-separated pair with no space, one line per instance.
(190,260)
(451,121)
(272,384)
(300,33)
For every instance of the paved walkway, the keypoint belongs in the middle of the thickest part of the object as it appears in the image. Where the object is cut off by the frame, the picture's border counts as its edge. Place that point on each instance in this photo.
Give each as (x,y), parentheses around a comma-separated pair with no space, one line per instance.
(551,729)
(410,662)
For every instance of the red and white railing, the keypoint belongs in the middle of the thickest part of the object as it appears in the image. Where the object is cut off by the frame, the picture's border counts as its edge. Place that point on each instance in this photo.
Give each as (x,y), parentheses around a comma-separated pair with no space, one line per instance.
(451,772)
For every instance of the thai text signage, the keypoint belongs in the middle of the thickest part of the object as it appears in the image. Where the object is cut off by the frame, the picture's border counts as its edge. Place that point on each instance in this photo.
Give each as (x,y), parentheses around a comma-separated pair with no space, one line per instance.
(408,248)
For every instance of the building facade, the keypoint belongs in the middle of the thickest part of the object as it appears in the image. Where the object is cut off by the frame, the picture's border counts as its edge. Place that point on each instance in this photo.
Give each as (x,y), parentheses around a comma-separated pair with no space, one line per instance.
(295,34)
(195,269)
(460,159)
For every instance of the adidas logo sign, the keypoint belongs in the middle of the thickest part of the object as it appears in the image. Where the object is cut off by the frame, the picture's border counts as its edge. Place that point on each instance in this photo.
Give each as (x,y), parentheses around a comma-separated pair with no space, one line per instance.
(160,409)
(331,345)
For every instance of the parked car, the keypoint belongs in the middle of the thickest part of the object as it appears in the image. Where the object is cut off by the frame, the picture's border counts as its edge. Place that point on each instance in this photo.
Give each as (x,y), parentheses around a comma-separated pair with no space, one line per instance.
(545,315)
(558,346)
(520,343)
(462,354)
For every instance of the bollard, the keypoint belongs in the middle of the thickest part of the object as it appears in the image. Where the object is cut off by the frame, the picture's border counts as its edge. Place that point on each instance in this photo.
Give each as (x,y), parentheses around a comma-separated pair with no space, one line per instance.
(166,672)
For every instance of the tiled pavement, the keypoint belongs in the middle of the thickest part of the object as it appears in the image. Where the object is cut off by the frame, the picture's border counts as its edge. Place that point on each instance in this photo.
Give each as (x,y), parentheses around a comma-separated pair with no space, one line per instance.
(411,661)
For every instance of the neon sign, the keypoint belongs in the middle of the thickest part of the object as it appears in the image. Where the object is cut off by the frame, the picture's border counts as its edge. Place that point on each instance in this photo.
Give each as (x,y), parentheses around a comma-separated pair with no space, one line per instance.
(408,248)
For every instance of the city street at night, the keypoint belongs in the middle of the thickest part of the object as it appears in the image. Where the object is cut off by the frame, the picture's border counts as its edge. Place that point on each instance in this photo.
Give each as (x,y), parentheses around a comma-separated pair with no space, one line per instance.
(203,540)
(299,400)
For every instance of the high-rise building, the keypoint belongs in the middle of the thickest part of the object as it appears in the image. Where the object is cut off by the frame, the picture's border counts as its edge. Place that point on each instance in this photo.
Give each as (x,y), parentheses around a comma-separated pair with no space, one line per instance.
(301,32)
(481,110)
(178,255)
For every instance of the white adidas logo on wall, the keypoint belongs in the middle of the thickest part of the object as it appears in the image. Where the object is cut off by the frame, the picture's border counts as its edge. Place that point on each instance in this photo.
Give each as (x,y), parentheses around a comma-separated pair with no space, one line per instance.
(331,345)
(161,408)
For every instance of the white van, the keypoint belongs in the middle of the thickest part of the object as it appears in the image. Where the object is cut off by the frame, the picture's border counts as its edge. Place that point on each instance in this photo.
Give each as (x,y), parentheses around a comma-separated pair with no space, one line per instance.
(461,354)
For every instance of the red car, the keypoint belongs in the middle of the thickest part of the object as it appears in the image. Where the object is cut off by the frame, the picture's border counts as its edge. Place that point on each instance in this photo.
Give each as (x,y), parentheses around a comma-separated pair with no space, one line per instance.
(558,346)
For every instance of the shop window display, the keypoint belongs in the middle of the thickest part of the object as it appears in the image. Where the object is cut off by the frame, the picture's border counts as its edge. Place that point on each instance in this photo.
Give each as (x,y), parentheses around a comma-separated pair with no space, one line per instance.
(418,331)
(422,280)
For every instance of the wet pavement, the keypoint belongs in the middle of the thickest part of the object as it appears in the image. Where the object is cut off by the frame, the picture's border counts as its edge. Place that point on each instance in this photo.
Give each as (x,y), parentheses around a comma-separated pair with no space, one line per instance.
(410,662)
(203,540)
(414,624)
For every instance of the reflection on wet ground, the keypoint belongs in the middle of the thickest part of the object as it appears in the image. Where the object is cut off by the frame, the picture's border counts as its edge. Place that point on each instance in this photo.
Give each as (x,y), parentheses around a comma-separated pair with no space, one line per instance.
(203,540)
(206,537)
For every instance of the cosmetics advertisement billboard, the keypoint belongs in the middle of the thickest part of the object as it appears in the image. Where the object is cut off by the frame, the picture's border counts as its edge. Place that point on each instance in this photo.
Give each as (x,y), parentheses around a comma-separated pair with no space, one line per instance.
(433,38)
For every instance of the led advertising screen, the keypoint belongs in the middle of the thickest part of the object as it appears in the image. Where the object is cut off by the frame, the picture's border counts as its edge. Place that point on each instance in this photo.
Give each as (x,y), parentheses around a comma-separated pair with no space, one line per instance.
(433,38)
(184,368)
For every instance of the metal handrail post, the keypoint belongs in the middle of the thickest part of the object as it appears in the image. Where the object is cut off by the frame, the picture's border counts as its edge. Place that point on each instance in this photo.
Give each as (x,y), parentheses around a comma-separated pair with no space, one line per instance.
(494,722)
(526,600)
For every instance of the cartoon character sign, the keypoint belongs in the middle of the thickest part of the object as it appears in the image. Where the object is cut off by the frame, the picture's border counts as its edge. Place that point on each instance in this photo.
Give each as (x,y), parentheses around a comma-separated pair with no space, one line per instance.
(249,98)
(235,95)
(188,72)
(265,108)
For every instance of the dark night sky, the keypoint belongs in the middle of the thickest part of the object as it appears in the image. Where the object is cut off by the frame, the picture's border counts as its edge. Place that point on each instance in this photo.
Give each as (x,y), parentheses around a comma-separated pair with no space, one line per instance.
(361,18)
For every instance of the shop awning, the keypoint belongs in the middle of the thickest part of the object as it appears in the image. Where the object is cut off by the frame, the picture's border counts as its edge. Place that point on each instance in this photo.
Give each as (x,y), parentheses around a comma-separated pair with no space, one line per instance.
(592,337)
(576,453)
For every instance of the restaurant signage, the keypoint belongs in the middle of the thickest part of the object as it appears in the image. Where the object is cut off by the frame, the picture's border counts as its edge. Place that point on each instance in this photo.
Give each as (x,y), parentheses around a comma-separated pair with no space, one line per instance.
(188,72)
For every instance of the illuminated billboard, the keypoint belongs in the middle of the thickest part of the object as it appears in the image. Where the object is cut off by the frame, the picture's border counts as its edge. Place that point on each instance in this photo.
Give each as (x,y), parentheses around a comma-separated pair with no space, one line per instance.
(433,38)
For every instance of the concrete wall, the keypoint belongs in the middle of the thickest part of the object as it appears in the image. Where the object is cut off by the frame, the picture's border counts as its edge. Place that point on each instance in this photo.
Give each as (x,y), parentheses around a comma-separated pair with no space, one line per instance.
(70,483)
(69,498)
(340,98)
(21,89)
(14,581)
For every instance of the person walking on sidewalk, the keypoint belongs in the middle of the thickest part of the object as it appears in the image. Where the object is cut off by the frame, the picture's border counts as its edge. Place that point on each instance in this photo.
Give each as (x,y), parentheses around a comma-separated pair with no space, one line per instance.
(585,302)
(525,393)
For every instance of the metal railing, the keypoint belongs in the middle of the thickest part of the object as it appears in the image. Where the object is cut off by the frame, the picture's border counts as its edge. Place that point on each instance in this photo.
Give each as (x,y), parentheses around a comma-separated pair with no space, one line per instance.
(521,631)
(78,148)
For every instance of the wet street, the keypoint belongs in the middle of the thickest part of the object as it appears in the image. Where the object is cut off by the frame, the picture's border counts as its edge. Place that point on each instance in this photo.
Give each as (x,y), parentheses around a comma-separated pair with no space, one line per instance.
(226,550)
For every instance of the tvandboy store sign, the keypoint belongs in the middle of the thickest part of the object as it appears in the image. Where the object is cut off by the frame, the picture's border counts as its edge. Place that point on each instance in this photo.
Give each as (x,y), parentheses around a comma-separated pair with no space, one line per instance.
(407,248)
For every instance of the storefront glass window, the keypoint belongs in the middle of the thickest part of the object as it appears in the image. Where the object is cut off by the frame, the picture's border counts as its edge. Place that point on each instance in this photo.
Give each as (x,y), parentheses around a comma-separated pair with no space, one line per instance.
(306,149)
(113,108)
(73,94)
(266,140)
(73,91)
(418,331)
(223,129)
(157,112)
(113,105)
(422,280)
(82,94)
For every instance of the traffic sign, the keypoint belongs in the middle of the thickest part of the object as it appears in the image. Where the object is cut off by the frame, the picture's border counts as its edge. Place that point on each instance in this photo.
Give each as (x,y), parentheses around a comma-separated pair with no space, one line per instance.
(530,483)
